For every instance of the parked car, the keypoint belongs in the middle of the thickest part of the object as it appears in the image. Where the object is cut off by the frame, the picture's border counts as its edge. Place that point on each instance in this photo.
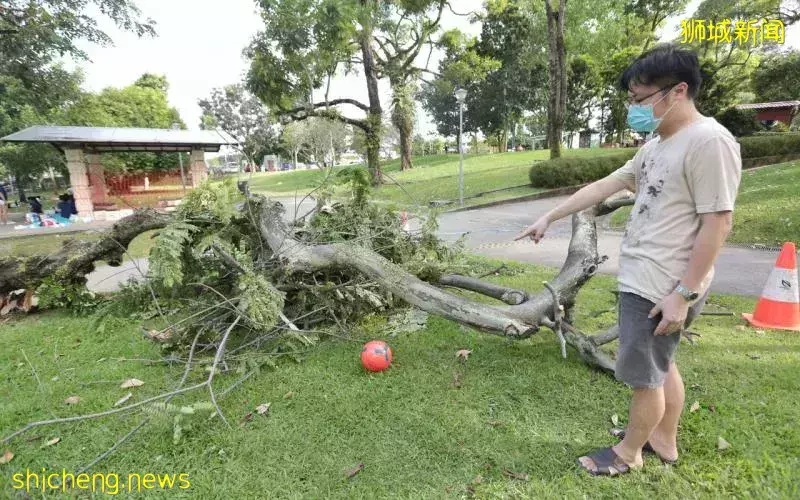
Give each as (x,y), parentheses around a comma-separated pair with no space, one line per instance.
(230,168)
(286,166)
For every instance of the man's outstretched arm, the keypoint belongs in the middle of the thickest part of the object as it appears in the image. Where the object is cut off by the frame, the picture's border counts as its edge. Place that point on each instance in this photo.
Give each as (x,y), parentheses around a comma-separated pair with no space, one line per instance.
(586,197)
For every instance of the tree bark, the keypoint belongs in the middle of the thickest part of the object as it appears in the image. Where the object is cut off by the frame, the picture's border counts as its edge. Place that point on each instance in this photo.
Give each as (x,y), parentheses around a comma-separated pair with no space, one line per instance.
(77,258)
(556,60)
(375,113)
(515,322)
(404,127)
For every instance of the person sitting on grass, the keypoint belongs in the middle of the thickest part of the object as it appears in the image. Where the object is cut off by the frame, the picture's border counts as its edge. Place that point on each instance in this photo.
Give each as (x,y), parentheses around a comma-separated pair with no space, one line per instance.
(686,180)
(66,206)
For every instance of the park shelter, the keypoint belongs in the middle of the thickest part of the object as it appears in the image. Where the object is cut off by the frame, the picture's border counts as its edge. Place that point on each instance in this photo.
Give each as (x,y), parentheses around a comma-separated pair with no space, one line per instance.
(82,147)
(769,112)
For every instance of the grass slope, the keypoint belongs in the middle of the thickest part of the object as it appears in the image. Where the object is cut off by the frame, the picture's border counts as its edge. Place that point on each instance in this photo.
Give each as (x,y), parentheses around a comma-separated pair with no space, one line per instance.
(519,407)
(434,177)
(767,207)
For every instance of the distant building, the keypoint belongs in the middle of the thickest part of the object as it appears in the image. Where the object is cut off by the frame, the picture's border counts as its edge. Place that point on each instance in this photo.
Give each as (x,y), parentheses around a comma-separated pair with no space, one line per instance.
(770,112)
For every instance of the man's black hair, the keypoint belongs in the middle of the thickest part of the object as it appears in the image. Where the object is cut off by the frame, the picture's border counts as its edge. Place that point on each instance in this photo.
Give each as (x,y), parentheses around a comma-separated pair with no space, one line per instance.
(664,65)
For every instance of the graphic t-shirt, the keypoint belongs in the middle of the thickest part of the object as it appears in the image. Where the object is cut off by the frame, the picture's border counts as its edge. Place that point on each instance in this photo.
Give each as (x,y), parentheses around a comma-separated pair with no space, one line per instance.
(695,171)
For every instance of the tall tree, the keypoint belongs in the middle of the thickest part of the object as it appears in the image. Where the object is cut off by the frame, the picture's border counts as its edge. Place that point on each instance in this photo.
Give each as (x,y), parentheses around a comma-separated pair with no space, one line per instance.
(143,104)
(33,86)
(293,139)
(461,67)
(406,27)
(243,116)
(583,88)
(303,45)
(306,42)
(776,77)
(556,68)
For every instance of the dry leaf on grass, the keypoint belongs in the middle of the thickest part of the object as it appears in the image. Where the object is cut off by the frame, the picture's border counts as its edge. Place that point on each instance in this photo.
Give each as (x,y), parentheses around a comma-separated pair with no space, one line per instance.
(695,406)
(288,395)
(722,444)
(456,380)
(131,382)
(516,475)
(53,441)
(6,457)
(72,400)
(712,408)
(495,423)
(615,420)
(123,399)
(355,470)
(263,409)
(246,419)
(463,354)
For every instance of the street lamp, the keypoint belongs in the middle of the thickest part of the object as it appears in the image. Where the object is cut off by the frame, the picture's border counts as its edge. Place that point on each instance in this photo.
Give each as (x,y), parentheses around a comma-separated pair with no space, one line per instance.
(460,94)
(177,126)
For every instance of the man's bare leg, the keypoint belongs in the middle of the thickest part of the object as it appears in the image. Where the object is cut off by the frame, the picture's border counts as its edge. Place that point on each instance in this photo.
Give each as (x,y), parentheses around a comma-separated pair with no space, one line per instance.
(664,439)
(646,411)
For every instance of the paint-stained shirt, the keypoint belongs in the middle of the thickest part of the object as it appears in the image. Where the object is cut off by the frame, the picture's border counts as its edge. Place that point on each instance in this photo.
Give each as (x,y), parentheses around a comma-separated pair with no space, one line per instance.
(695,171)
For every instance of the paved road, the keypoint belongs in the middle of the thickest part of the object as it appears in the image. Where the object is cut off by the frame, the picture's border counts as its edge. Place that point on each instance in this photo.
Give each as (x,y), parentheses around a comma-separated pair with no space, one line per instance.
(738,271)
(490,230)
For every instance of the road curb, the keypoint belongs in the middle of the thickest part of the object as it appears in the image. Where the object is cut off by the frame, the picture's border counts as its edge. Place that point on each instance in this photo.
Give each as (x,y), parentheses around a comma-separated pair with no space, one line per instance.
(528,197)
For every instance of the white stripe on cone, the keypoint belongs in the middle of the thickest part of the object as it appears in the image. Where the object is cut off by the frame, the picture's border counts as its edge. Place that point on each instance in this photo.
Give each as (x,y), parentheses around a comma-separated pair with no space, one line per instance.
(782,286)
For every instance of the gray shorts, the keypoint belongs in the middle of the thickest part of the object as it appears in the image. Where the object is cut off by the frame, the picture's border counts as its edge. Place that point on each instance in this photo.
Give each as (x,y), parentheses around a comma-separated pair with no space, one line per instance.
(643,358)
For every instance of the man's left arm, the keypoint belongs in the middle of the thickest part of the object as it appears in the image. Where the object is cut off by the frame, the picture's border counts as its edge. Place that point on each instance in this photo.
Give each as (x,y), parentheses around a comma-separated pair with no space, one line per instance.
(713,172)
(714,228)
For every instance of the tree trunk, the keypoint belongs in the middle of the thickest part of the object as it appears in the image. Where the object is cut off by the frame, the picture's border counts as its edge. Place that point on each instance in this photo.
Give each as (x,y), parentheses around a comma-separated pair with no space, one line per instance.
(556,59)
(77,257)
(512,321)
(375,114)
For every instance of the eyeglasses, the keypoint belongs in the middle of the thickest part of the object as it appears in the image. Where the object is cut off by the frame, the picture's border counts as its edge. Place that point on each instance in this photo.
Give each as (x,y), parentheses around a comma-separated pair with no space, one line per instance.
(648,96)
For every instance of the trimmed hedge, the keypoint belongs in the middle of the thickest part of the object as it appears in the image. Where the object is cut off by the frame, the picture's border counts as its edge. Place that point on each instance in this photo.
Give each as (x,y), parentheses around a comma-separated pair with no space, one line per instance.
(770,145)
(573,171)
(756,151)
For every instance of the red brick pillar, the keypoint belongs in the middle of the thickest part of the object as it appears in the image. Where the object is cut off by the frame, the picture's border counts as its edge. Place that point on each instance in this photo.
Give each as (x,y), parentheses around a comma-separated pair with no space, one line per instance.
(79,180)
(198,167)
(97,178)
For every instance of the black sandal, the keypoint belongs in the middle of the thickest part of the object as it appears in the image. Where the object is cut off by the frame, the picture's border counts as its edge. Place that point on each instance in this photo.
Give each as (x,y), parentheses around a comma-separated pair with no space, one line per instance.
(607,463)
(647,448)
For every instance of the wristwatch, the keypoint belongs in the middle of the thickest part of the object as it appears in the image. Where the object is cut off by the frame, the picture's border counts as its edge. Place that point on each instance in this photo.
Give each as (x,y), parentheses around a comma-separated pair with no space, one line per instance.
(687,294)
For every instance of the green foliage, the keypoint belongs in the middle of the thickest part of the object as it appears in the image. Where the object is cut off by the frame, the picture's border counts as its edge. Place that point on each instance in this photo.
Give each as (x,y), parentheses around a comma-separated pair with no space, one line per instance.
(181,419)
(169,254)
(770,145)
(243,116)
(562,172)
(776,77)
(76,298)
(739,122)
(260,299)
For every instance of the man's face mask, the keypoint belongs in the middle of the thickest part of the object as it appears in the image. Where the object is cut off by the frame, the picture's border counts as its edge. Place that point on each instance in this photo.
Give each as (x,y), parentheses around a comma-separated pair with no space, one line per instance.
(641,117)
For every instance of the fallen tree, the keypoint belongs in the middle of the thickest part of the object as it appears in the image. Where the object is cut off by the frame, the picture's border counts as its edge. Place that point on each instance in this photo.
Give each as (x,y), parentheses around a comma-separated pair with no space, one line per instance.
(230,275)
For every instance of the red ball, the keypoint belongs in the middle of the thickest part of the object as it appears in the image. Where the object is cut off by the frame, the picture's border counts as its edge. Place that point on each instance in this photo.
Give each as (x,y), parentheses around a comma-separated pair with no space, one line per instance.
(376,356)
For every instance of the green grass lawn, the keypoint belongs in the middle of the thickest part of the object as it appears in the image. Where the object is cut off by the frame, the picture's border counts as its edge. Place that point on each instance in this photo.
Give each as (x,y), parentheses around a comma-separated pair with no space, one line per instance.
(519,408)
(767,207)
(433,177)
(48,244)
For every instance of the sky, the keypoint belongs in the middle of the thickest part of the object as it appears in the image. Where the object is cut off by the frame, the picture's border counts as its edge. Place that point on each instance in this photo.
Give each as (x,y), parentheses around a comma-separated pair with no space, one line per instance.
(199,47)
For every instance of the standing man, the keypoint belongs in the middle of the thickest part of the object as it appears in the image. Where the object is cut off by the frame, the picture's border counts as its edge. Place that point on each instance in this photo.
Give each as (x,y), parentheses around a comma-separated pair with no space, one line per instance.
(685,181)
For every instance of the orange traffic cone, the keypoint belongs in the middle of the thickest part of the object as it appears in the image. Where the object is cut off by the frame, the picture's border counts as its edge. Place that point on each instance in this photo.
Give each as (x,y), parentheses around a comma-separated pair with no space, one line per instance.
(779,306)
